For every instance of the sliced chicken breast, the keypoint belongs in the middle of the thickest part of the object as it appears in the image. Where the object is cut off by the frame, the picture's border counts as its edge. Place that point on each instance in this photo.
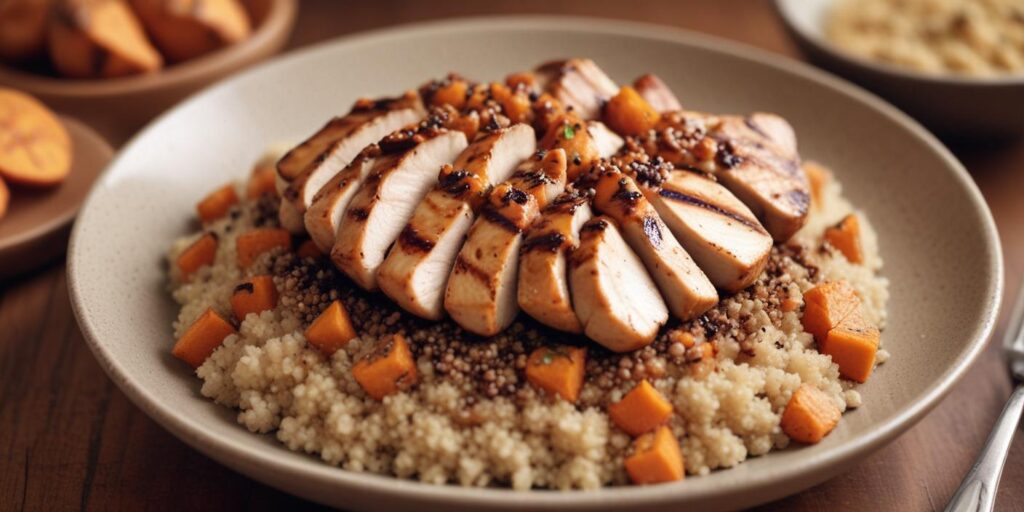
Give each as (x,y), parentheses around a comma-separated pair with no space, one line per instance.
(323,218)
(578,84)
(685,287)
(543,290)
(656,93)
(758,161)
(721,234)
(584,142)
(417,267)
(385,201)
(615,299)
(481,291)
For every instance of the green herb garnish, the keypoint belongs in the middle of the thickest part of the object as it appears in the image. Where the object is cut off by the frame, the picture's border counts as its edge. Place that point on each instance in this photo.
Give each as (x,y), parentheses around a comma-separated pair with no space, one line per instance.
(568,132)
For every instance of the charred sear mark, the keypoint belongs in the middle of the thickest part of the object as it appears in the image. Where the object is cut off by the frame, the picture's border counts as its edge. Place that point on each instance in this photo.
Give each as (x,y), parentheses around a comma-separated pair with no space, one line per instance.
(532,179)
(515,195)
(550,242)
(358,214)
(455,183)
(752,124)
(465,266)
(799,199)
(399,141)
(594,226)
(413,242)
(676,195)
(726,155)
(625,194)
(653,231)
(246,287)
(496,217)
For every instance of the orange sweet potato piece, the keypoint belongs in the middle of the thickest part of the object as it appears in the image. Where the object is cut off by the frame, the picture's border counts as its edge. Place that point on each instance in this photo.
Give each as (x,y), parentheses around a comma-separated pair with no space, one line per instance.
(558,370)
(845,236)
(818,177)
(570,134)
(217,203)
(262,181)
(826,305)
(810,415)
(516,105)
(35,149)
(90,38)
(656,458)
(389,369)
(453,92)
(308,249)
(525,80)
(332,330)
(23,28)
(852,345)
(628,113)
(251,244)
(202,338)
(185,29)
(641,410)
(254,295)
(202,252)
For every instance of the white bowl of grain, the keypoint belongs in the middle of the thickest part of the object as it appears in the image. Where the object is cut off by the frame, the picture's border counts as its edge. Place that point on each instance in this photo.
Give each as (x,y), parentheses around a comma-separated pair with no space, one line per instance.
(955,65)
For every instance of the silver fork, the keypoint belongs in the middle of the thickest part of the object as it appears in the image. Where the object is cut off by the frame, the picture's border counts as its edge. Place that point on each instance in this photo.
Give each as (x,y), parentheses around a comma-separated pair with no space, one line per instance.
(977,492)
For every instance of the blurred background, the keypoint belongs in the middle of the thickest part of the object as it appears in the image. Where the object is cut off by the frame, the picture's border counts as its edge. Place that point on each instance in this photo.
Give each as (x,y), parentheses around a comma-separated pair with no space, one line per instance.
(116,80)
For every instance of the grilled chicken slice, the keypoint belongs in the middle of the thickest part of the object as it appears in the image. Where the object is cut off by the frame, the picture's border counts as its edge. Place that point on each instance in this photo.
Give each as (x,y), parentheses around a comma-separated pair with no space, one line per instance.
(721,234)
(543,290)
(584,142)
(758,162)
(323,218)
(418,264)
(657,94)
(578,84)
(686,288)
(615,300)
(385,201)
(481,291)
(308,166)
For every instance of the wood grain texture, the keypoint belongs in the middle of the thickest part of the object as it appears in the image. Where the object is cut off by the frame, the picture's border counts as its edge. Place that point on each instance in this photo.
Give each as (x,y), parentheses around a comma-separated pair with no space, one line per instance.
(70,439)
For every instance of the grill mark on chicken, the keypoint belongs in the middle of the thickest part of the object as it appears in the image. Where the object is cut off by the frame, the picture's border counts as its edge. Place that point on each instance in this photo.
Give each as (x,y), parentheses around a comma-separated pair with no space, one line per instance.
(358,214)
(464,265)
(412,241)
(653,231)
(551,242)
(676,195)
(498,219)
(594,226)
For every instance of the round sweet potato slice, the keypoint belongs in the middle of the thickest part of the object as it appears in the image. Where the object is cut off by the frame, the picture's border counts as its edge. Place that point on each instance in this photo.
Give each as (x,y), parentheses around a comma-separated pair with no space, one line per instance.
(34,146)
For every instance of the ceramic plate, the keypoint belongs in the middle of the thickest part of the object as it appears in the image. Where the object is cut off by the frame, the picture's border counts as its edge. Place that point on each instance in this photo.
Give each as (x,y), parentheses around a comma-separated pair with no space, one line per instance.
(936,234)
(35,229)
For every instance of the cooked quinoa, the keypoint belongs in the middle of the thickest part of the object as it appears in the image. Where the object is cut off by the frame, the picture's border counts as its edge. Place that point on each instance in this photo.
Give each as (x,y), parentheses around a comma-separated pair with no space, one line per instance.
(970,37)
(472,419)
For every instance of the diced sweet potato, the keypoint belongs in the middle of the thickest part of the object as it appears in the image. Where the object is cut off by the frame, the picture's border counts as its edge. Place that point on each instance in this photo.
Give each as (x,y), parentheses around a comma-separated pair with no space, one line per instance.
(845,236)
(262,182)
(453,93)
(628,113)
(558,370)
(826,305)
(251,244)
(515,105)
(522,80)
(35,148)
(308,249)
(818,177)
(332,330)
(389,369)
(852,345)
(202,252)
(254,295)
(810,415)
(641,410)
(217,203)
(656,458)
(570,134)
(202,338)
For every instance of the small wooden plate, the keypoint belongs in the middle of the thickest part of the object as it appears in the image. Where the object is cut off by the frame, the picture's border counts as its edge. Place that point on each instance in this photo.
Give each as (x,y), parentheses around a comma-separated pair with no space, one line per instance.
(35,230)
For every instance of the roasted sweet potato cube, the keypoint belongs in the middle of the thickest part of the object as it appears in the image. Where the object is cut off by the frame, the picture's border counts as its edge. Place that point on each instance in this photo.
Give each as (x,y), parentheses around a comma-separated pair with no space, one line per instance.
(254,295)
(389,369)
(845,237)
(262,181)
(558,370)
(308,249)
(818,177)
(810,415)
(251,244)
(826,305)
(852,345)
(453,93)
(628,113)
(656,458)
(332,330)
(217,203)
(202,252)
(641,410)
(202,338)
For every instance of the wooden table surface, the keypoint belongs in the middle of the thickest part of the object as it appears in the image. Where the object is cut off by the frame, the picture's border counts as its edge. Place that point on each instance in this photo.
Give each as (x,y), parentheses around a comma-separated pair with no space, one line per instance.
(69,438)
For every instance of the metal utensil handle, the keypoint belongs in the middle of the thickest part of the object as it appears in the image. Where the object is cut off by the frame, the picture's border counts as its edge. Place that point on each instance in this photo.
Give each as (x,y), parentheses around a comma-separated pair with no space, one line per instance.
(977,492)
